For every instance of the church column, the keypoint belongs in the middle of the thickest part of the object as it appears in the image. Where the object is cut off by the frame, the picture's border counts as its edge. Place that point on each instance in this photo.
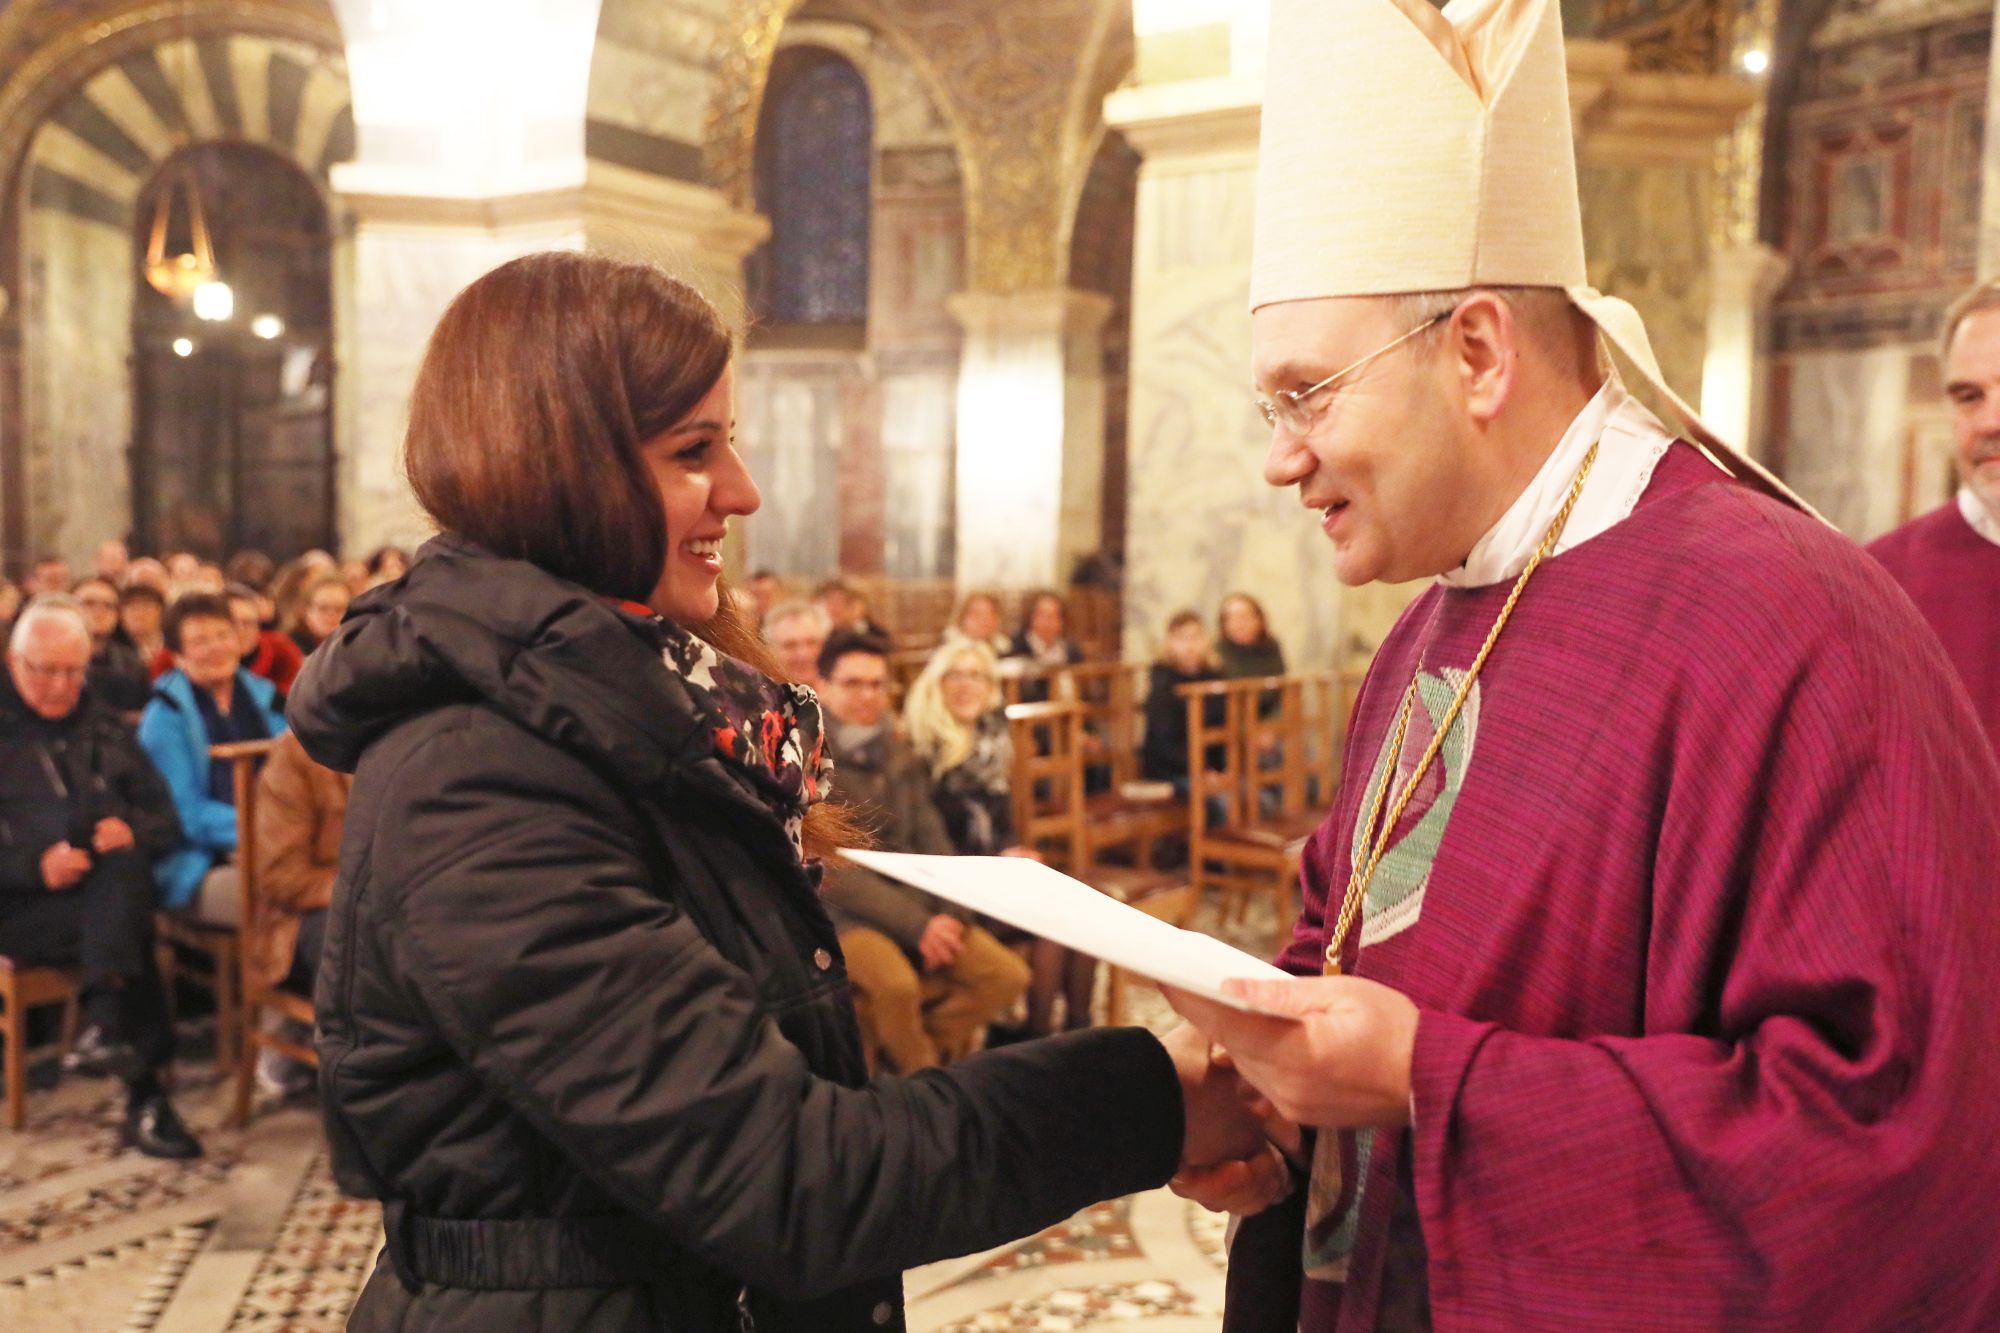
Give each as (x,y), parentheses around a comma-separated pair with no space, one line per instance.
(461,165)
(1030,434)
(1743,279)
(1200,521)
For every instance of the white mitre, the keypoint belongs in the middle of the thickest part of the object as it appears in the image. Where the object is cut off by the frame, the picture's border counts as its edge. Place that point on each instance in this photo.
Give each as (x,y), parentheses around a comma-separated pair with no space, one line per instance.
(1411,149)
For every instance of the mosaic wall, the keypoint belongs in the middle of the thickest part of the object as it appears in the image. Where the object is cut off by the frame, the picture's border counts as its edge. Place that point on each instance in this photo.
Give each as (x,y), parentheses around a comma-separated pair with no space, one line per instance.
(1881,223)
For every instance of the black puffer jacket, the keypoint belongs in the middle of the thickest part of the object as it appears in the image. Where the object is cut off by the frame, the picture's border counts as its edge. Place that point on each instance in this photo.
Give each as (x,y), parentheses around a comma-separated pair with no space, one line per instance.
(584,1025)
(57,779)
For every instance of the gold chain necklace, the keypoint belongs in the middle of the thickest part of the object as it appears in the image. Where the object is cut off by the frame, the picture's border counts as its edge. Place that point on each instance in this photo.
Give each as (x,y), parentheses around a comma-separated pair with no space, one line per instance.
(1374,841)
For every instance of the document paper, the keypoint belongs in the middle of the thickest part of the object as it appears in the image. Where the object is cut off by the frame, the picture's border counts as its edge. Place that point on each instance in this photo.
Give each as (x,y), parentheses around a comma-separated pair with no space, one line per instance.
(1048,903)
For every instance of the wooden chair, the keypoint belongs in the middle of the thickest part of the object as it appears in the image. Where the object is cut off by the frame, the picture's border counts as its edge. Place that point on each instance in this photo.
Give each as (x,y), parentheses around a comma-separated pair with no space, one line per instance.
(23,988)
(1118,821)
(1255,844)
(246,759)
(1050,817)
(905,665)
(220,947)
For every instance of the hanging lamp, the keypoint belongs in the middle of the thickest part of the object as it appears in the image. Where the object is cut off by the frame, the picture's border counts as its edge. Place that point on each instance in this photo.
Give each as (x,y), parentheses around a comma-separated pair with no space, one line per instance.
(177,276)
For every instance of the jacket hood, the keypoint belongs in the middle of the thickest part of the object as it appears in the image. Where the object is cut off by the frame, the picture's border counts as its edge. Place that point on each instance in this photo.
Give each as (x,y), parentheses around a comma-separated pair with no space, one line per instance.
(465,626)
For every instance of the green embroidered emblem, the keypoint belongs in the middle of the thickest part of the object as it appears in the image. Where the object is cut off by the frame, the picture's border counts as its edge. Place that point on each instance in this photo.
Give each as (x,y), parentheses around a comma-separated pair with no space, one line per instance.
(1396,894)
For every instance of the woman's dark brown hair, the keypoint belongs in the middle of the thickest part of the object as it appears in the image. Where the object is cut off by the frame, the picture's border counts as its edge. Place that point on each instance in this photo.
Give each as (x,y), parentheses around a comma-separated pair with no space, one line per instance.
(540,384)
(538,388)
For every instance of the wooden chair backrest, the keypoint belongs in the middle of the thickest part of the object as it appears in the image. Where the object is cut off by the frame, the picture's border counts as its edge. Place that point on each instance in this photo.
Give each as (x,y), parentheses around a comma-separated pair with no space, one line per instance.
(1112,696)
(1047,780)
(1308,730)
(1014,679)
(246,760)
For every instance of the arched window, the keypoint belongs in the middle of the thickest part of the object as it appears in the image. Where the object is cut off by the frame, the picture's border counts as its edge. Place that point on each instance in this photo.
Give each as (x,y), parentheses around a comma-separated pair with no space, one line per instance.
(814,141)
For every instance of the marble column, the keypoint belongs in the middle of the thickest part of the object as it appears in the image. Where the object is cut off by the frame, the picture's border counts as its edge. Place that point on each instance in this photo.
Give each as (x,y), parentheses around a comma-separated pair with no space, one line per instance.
(461,166)
(1743,278)
(1030,463)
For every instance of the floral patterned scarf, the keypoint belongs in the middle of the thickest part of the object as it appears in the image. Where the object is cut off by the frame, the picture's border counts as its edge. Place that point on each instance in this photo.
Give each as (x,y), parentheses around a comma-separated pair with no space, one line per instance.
(767,732)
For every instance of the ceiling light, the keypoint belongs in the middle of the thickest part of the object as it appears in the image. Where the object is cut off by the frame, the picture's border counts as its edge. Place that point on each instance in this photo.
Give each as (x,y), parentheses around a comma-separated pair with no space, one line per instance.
(1756,60)
(267,327)
(183,347)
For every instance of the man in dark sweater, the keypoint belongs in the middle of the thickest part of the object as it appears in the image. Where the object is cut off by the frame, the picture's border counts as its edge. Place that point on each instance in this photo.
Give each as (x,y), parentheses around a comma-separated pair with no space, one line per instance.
(82,813)
(926,980)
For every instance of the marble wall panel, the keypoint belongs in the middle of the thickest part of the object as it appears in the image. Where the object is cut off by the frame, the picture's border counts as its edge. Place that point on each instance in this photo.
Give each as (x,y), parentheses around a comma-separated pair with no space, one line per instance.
(402,282)
(1646,238)
(78,390)
(918,405)
(791,421)
(1848,434)
(1201,521)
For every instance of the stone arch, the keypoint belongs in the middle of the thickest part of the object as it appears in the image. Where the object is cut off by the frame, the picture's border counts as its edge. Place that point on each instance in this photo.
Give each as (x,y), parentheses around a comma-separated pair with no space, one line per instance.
(116,110)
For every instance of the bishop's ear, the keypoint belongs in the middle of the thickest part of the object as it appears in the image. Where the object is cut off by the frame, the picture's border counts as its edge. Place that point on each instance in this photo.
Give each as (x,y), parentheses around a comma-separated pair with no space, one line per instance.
(1482,344)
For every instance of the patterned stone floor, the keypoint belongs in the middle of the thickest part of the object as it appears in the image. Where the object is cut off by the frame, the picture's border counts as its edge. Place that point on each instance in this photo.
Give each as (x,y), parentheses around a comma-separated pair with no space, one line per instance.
(255,1238)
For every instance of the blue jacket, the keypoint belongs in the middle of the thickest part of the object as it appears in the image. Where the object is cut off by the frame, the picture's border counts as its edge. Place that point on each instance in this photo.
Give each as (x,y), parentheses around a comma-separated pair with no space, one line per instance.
(173,736)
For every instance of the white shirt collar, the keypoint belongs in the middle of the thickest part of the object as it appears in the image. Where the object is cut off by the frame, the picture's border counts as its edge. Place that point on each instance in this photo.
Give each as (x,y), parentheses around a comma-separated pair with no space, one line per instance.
(1978,516)
(1633,443)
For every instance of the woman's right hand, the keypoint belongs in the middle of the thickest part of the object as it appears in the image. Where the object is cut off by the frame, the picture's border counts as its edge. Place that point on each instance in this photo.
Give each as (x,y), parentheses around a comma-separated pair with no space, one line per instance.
(1222,1125)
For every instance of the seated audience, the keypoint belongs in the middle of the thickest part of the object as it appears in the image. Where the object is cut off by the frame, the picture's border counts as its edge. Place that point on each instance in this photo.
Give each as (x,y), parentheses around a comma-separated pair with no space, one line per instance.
(265,652)
(301,809)
(142,611)
(119,677)
(977,620)
(1041,645)
(207,699)
(1247,649)
(1043,639)
(954,721)
(765,591)
(846,608)
(254,570)
(320,608)
(81,814)
(387,564)
(48,574)
(111,561)
(1163,755)
(182,567)
(146,572)
(796,632)
(289,584)
(926,980)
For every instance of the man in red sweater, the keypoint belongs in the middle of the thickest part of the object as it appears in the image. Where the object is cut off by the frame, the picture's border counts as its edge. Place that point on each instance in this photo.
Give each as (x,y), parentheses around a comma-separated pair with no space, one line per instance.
(1949,559)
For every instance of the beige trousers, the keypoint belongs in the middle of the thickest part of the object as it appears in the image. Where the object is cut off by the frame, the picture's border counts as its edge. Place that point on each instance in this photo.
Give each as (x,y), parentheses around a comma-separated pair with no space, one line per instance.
(919,1019)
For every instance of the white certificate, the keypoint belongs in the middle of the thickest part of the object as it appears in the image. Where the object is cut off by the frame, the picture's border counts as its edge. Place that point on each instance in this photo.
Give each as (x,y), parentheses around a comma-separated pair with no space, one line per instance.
(1048,903)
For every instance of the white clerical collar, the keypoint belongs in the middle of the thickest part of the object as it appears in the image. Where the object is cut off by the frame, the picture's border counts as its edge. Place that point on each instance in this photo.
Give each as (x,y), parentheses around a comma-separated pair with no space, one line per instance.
(1977,515)
(1632,444)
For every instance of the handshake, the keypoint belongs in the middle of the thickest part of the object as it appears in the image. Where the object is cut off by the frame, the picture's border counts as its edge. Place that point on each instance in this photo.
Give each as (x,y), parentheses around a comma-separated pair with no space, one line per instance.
(1250,1082)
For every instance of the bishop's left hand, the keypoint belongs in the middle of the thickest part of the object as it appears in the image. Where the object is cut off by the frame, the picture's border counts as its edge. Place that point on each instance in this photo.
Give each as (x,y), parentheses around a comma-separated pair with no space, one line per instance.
(1343,1064)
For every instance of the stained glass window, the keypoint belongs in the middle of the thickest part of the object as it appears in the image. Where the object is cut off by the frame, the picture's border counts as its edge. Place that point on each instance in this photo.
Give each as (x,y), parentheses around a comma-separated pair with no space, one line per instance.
(814,142)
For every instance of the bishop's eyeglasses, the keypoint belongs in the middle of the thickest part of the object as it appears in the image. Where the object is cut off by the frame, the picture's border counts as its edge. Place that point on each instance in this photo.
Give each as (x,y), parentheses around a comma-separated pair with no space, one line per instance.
(1289,407)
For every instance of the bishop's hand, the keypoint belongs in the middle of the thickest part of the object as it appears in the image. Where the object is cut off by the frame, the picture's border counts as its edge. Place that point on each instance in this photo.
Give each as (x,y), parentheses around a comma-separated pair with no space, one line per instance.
(1341,1062)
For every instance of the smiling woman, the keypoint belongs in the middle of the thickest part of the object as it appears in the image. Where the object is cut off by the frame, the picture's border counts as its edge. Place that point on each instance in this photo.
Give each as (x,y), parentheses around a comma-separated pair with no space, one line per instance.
(585,1026)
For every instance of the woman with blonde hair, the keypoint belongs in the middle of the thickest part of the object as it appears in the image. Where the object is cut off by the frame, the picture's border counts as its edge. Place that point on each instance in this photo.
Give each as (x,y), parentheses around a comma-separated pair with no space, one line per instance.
(954,719)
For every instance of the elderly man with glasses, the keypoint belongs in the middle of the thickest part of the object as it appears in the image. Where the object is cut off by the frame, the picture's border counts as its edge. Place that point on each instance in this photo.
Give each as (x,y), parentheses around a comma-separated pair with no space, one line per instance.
(82,814)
